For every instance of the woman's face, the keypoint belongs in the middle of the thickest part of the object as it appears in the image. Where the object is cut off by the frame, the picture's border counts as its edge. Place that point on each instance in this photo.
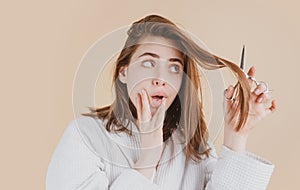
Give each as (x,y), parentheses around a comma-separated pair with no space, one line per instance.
(157,67)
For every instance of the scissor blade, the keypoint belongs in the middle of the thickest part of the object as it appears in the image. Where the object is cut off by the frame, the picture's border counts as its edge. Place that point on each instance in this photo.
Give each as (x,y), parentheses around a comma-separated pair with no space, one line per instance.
(242,66)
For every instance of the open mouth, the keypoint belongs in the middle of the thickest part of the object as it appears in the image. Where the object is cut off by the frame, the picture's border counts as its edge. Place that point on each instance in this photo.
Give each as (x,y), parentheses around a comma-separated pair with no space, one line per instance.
(156,101)
(157,97)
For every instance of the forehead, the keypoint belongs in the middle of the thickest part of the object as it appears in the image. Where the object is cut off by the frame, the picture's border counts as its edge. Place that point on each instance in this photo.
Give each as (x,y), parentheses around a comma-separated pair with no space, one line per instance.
(163,47)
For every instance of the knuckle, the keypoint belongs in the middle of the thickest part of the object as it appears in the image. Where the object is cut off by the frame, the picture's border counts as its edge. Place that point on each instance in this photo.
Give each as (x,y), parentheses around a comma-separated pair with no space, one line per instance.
(262,95)
(261,86)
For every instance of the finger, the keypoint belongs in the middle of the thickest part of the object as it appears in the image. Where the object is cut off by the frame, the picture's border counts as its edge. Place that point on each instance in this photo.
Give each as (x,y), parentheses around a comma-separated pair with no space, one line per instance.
(139,106)
(260,89)
(146,112)
(228,93)
(267,98)
(263,98)
(265,86)
(159,116)
(272,108)
(251,73)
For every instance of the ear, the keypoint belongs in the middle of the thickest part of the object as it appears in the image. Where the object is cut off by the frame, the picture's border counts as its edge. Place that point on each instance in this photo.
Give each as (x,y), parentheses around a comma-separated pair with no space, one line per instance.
(123,74)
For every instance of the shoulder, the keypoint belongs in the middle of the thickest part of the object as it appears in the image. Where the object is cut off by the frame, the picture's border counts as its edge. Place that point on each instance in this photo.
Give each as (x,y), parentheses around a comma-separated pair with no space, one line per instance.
(87,126)
(74,160)
(88,131)
(105,145)
(86,121)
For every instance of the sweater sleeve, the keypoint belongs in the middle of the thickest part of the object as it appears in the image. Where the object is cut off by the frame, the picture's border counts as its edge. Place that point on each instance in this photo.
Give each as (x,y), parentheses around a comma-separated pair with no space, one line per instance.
(74,166)
(235,171)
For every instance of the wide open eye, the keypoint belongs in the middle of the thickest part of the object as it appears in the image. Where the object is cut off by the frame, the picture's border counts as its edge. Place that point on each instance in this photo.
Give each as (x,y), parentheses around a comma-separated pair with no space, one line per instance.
(148,63)
(175,68)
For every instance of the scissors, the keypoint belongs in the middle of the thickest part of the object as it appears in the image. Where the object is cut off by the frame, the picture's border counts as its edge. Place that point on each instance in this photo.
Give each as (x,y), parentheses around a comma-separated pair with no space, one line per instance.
(242,66)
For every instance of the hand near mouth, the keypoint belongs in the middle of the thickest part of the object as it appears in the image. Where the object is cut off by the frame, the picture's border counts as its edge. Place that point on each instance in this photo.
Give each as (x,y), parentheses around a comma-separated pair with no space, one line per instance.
(148,124)
(151,134)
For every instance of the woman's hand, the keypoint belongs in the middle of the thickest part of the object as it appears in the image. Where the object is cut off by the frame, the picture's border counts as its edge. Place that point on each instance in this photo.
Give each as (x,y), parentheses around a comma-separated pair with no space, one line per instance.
(151,133)
(257,111)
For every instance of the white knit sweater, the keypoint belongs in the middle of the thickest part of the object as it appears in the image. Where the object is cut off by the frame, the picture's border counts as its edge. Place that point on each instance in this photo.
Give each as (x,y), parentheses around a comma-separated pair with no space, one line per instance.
(88,157)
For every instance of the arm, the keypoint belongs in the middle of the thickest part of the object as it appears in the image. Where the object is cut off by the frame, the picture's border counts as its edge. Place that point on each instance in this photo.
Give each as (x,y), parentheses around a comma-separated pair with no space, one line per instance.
(74,166)
(236,168)
(236,171)
(151,135)
(236,140)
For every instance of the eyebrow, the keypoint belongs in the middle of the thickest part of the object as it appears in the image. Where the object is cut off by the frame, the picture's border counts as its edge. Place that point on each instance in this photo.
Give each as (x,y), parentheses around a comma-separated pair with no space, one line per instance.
(157,56)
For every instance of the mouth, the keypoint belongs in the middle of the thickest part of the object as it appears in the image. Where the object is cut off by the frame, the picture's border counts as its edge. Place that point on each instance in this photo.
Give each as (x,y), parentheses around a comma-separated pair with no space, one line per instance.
(157,97)
(156,100)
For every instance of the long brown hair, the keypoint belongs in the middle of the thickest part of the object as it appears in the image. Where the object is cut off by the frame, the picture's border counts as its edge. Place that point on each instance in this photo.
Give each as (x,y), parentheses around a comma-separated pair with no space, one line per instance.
(186,111)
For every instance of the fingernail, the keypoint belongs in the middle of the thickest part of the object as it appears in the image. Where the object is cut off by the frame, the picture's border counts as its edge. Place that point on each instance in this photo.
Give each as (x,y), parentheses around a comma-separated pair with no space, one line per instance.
(257,91)
(259,100)
(142,91)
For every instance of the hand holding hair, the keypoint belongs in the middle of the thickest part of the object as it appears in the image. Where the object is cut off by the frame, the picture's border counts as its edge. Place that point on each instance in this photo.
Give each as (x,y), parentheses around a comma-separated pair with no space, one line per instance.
(236,140)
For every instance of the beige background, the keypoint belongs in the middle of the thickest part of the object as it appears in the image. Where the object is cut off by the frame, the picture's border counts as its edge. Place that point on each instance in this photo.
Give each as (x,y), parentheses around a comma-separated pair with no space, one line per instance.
(42,43)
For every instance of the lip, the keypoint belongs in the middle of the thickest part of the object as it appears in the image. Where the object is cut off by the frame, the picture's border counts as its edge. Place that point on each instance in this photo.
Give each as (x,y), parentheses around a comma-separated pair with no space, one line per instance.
(159,93)
(156,102)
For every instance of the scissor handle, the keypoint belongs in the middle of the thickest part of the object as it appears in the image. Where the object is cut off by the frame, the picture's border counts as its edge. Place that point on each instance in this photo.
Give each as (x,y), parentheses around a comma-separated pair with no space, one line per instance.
(254,80)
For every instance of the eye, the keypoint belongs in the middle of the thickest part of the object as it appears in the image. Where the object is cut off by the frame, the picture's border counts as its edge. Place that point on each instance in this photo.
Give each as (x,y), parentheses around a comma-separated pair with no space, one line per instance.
(148,63)
(175,68)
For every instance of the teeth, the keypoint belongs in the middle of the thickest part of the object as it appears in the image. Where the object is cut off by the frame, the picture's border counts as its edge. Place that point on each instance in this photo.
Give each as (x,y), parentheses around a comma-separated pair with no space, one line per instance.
(157,97)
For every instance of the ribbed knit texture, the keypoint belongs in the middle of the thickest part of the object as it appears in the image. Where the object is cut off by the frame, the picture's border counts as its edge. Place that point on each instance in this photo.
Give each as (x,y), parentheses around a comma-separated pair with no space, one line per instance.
(88,157)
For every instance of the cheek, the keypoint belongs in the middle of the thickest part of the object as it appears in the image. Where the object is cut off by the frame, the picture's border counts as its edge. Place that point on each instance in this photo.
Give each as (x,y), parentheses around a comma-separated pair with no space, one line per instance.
(174,82)
(136,81)
(134,88)
(175,85)
(172,95)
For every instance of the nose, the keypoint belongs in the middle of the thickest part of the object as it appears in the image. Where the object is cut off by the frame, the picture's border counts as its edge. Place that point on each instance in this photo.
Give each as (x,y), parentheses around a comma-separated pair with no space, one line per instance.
(157,82)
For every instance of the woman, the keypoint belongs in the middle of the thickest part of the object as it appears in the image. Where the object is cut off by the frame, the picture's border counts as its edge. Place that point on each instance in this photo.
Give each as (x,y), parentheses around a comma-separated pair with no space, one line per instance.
(154,135)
